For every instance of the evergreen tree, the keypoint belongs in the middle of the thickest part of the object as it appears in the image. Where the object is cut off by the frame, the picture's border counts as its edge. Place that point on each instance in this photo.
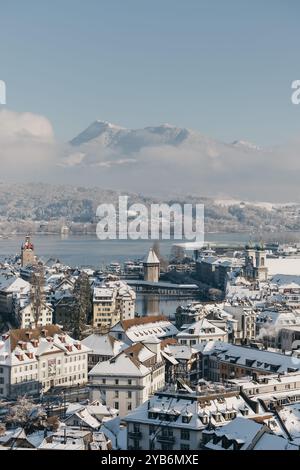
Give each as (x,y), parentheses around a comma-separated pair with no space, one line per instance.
(82,305)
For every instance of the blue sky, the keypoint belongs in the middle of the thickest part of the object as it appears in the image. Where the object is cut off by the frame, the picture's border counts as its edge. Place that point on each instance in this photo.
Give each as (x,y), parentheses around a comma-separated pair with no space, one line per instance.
(222,67)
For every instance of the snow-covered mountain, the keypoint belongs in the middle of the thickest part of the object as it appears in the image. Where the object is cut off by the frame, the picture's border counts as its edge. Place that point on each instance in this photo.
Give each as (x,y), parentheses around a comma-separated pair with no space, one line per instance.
(105,134)
(163,158)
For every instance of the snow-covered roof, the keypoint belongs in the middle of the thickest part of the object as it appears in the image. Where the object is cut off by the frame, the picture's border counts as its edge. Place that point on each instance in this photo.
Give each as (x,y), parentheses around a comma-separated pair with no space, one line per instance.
(198,410)
(252,357)
(16,284)
(152,258)
(139,329)
(201,328)
(104,345)
(122,365)
(84,417)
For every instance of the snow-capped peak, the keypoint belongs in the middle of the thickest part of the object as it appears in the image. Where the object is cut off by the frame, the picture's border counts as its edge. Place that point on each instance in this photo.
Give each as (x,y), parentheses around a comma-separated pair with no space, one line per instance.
(245,144)
(108,124)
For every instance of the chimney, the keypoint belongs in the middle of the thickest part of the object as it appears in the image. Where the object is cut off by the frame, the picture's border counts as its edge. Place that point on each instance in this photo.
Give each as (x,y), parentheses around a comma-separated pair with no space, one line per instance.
(29,334)
(44,332)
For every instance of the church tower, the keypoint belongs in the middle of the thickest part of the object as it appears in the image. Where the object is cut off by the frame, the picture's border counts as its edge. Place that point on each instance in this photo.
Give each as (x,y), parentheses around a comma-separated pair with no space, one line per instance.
(250,261)
(27,252)
(261,270)
(151,267)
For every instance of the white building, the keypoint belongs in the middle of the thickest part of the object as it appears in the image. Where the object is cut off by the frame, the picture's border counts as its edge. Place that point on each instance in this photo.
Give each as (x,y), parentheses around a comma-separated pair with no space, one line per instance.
(175,420)
(25,316)
(10,290)
(113,301)
(140,328)
(34,360)
(127,380)
(201,331)
(102,348)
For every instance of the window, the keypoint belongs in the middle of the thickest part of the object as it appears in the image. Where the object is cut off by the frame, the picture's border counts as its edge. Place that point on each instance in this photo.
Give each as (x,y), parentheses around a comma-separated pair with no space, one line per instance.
(104,381)
(129,406)
(185,435)
(129,394)
(116,394)
(116,405)
(117,381)
(186,419)
(129,381)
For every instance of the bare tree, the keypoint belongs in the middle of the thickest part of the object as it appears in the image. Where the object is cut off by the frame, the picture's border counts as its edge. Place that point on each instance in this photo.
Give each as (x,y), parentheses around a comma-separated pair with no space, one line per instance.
(177,254)
(37,295)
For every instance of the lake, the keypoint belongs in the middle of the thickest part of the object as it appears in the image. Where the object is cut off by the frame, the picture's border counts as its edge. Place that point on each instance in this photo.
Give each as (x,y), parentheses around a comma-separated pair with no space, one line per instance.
(88,250)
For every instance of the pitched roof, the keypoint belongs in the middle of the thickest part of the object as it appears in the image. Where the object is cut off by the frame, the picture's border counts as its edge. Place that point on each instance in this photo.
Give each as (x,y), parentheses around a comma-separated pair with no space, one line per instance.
(152,257)
(21,334)
(142,321)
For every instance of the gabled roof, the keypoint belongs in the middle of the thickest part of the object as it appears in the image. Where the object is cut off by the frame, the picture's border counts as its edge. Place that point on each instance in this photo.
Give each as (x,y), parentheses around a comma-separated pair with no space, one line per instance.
(121,365)
(105,345)
(198,329)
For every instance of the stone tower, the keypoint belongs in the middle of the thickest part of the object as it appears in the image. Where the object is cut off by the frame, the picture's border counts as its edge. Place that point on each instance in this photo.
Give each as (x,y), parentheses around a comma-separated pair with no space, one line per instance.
(255,263)
(261,269)
(151,267)
(27,252)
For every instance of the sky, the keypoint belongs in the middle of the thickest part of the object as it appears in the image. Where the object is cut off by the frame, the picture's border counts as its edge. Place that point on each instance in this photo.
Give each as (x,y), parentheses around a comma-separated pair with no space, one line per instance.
(223,68)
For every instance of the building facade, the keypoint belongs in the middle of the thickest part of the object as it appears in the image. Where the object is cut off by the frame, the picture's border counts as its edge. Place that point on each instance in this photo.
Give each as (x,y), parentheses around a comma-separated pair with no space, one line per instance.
(34,360)
(112,301)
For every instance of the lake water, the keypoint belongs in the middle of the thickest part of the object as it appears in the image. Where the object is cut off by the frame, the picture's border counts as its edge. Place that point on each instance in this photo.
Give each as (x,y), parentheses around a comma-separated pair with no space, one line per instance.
(155,305)
(88,250)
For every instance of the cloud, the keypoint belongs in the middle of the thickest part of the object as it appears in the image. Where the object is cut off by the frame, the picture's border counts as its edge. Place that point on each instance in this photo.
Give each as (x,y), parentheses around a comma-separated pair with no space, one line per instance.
(28,151)
(15,125)
(198,166)
(211,169)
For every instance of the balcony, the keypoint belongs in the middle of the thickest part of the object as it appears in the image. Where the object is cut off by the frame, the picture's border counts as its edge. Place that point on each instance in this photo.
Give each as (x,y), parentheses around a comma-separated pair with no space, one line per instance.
(165,438)
(134,434)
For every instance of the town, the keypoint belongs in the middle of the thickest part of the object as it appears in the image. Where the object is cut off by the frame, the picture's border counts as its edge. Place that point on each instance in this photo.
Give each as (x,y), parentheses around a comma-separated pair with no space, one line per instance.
(81,369)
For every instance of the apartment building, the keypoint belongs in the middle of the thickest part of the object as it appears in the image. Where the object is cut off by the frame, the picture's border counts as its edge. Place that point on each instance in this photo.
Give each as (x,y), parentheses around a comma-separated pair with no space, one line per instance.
(201,331)
(141,328)
(126,381)
(112,301)
(175,420)
(223,361)
(26,316)
(34,360)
